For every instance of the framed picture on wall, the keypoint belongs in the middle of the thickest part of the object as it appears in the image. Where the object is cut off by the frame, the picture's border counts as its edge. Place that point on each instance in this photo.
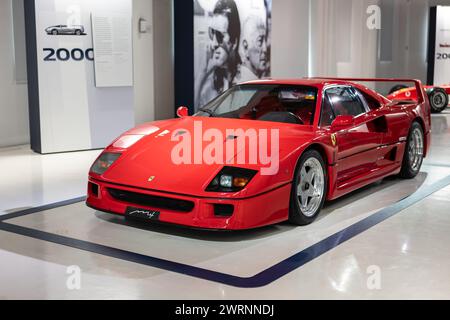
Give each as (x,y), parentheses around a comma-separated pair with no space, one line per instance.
(231,45)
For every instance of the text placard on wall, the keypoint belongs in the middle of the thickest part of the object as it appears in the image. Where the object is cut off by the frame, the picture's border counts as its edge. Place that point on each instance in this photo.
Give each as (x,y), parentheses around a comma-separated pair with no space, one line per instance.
(113,50)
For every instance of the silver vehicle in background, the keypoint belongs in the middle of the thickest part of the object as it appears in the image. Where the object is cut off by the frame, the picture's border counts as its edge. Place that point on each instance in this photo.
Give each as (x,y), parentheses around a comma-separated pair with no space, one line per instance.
(65,30)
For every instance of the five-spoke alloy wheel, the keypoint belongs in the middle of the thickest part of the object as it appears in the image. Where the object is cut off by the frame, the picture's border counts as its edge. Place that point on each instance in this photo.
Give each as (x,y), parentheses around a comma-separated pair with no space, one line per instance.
(414,152)
(309,188)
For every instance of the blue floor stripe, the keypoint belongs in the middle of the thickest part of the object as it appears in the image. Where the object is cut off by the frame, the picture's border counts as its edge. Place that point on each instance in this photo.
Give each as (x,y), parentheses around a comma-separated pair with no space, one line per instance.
(261,279)
(41,208)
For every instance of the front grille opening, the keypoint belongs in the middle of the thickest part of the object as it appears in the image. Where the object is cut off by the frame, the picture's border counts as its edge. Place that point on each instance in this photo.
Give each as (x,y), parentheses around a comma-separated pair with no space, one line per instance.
(223,210)
(94,189)
(151,201)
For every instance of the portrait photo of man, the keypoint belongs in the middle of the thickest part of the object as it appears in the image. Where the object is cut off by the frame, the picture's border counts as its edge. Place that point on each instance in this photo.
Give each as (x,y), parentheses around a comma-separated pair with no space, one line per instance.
(253,49)
(231,45)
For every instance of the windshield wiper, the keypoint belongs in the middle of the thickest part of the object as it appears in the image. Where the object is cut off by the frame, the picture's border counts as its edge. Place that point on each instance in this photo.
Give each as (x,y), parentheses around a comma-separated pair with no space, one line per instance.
(211,113)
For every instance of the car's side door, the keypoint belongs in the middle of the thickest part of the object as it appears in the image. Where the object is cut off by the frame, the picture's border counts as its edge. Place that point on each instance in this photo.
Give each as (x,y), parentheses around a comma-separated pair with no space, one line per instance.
(65,29)
(357,141)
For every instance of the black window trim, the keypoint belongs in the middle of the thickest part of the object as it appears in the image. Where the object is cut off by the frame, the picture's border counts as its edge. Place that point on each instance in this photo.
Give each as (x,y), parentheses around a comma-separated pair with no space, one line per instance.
(354,92)
(362,99)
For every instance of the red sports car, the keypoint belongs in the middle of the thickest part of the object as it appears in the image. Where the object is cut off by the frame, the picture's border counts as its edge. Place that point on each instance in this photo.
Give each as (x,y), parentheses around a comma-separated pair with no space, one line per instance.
(327,137)
(438,96)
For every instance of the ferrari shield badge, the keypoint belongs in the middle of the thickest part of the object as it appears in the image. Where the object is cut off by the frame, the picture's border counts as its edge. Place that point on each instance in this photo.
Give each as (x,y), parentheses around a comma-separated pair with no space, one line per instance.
(151,178)
(333,140)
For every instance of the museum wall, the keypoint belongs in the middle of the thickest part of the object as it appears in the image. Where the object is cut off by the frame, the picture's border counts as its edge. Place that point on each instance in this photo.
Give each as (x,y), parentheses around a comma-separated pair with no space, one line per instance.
(320,37)
(153,61)
(143,62)
(403,53)
(163,59)
(14,127)
(342,45)
(13,89)
(290,38)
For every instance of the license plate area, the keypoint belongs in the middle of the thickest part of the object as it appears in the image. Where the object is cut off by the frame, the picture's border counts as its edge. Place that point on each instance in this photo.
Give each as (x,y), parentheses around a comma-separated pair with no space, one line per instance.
(142,214)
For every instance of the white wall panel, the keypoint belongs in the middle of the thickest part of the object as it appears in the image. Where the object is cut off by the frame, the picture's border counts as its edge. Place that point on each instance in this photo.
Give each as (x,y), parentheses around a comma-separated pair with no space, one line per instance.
(163,59)
(13,95)
(143,47)
(290,38)
(74,114)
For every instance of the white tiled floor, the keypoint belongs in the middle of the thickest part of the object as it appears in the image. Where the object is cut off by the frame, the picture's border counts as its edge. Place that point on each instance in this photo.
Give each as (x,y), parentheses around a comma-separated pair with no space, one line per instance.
(29,179)
(411,249)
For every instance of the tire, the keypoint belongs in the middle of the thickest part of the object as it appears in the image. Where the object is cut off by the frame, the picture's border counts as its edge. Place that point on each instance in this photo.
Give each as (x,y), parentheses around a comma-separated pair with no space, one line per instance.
(78,32)
(397,87)
(413,157)
(300,214)
(438,99)
(55,32)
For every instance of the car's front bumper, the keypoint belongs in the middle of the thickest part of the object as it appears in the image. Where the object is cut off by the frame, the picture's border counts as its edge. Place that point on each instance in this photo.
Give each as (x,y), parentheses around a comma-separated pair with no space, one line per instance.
(264,209)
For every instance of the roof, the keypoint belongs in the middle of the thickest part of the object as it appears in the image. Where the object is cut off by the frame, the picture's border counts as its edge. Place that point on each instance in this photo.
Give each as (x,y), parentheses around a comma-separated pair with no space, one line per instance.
(316,82)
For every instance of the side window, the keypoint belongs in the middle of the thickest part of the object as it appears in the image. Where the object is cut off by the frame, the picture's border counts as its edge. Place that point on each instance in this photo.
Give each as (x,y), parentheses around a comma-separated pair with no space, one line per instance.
(327,116)
(370,101)
(345,102)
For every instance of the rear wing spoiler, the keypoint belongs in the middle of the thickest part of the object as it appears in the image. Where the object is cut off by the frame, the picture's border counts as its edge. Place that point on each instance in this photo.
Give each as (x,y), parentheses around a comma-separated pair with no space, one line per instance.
(421,95)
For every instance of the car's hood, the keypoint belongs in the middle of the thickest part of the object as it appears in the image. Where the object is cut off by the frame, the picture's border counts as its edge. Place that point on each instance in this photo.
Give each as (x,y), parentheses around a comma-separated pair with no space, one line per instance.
(153,162)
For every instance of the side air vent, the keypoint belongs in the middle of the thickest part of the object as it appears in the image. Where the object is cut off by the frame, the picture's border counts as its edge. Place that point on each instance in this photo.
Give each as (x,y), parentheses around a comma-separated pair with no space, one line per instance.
(392,155)
(378,125)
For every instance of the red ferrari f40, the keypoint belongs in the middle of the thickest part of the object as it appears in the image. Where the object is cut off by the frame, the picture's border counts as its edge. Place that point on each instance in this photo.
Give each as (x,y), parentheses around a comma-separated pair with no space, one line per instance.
(261,153)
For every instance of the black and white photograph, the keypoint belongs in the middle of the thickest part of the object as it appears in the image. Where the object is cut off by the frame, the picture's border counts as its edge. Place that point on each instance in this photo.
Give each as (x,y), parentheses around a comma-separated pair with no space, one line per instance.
(231,43)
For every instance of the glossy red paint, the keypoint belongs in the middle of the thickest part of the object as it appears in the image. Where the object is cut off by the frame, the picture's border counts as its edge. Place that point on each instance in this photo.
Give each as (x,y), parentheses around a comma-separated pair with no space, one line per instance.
(411,93)
(357,153)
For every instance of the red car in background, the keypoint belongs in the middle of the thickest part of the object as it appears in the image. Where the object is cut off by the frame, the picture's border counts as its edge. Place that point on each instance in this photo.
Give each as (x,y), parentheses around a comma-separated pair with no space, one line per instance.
(335,136)
(438,96)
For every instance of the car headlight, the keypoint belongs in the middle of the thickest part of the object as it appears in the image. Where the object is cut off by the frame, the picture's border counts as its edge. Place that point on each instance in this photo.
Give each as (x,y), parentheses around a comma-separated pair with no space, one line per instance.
(127,140)
(231,179)
(103,162)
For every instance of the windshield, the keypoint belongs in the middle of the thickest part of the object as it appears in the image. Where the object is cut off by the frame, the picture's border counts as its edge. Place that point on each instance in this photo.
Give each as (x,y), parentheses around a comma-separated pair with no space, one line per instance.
(278,103)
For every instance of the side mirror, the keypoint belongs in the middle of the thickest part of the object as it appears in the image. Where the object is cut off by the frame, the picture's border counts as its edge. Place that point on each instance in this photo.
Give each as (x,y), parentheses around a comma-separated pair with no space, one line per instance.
(342,122)
(182,112)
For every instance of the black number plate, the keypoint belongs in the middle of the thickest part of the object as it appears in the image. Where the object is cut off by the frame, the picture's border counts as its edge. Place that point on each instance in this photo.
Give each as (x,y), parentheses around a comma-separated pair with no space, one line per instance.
(143,214)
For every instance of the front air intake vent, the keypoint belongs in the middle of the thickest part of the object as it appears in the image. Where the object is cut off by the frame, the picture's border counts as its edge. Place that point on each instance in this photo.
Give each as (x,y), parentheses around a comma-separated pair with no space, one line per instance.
(223,210)
(145,200)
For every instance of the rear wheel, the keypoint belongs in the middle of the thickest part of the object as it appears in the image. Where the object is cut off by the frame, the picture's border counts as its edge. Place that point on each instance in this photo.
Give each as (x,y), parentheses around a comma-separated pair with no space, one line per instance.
(438,99)
(309,188)
(78,32)
(413,158)
(397,87)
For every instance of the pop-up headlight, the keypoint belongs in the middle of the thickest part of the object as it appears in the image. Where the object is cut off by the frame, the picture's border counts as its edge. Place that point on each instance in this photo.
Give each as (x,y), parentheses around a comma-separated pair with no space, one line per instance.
(231,179)
(103,162)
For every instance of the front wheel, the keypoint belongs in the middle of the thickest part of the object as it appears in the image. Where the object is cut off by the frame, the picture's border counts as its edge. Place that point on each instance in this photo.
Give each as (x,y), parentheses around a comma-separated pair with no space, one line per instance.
(438,99)
(413,157)
(309,188)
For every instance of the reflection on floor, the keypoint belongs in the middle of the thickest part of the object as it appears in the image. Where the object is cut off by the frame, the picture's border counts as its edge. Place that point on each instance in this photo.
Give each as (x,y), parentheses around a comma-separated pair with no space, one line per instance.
(406,256)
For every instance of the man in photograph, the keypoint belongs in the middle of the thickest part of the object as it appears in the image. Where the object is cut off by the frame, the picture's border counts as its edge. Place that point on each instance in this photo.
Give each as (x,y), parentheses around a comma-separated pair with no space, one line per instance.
(253,49)
(222,57)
